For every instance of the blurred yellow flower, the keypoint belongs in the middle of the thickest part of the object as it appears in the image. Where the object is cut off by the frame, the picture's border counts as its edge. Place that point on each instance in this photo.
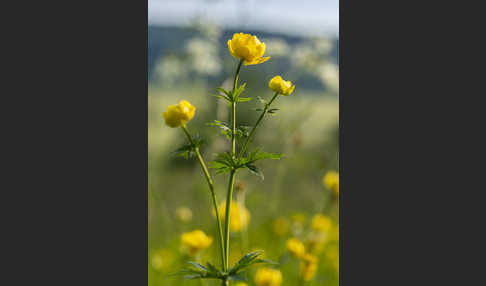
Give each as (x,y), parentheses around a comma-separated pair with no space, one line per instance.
(268,277)
(195,241)
(184,214)
(179,114)
(284,87)
(239,216)
(161,259)
(240,284)
(321,223)
(308,267)
(248,48)
(295,247)
(281,226)
(331,181)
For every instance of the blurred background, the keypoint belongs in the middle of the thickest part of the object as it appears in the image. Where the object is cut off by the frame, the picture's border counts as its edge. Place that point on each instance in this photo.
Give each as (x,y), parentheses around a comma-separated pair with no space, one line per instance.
(188,59)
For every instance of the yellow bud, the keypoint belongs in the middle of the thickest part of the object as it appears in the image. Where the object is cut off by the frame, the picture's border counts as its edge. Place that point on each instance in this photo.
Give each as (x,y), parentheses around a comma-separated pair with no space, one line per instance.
(268,277)
(179,114)
(239,216)
(331,181)
(321,223)
(308,266)
(195,241)
(248,48)
(295,247)
(284,87)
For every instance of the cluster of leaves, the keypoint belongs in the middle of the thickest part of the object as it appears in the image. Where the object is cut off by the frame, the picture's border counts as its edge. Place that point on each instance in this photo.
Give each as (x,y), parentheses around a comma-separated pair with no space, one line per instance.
(225,162)
(233,97)
(266,106)
(235,273)
(189,150)
(241,131)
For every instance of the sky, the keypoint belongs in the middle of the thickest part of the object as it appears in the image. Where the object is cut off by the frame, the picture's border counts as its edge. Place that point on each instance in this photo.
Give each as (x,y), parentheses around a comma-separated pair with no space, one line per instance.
(299,17)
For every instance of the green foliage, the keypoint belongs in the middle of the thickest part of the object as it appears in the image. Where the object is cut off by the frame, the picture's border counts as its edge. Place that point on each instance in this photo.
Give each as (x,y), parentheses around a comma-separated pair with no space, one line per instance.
(188,150)
(241,131)
(233,97)
(225,162)
(248,260)
(235,273)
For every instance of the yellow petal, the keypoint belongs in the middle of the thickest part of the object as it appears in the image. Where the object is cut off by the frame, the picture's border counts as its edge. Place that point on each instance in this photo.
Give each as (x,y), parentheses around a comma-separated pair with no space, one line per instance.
(257,61)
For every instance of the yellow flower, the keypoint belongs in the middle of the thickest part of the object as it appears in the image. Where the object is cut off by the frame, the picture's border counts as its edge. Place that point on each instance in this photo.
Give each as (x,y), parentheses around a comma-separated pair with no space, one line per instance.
(240,284)
(268,277)
(184,214)
(295,247)
(161,259)
(284,87)
(331,181)
(308,267)
(179,114)
(248,48)
(281,226)
(321,223)
(195,241)
(239,216)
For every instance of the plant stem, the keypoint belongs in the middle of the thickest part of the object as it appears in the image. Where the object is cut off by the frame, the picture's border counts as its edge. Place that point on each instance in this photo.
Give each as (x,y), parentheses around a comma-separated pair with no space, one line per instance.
(233,110)
(227,217)
(211,188)
(245,145)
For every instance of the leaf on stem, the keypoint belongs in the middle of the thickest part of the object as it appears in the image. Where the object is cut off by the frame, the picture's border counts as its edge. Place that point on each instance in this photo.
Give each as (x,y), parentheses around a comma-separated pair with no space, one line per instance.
(248,260)
(188,150)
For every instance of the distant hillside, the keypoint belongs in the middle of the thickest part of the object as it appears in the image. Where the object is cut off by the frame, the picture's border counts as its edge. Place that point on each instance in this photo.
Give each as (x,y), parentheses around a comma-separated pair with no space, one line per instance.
(163,40)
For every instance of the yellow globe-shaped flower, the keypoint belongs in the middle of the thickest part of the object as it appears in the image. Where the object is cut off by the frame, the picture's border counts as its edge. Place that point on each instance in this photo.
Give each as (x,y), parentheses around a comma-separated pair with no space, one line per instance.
(295,247)
(283,87)
(248,48)
(308,267)
(331,181)
(179,114)
(239,216)
(268,277)
(321,223)
(195,241)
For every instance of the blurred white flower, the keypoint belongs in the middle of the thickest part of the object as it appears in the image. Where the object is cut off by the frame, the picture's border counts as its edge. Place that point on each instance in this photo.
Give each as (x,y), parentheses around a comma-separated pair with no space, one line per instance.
(329,75)
(276,47)
(170,69)
(203,56)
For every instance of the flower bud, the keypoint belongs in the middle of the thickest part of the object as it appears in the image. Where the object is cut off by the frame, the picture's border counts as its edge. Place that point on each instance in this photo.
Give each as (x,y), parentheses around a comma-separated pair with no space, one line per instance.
(179,114)
(281,86)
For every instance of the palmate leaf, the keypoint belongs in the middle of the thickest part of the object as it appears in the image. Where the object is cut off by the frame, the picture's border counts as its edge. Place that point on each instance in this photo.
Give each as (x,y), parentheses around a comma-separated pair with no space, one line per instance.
(259,155)
(248,260)
(187,150)
(238,91)
(224,163)
(254,170)
(225,129)
(200,272)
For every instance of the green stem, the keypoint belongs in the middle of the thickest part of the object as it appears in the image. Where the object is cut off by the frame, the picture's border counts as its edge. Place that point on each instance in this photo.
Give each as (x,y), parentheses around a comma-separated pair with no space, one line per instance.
(245,145)
(233,110)
(211,188)
(227,217)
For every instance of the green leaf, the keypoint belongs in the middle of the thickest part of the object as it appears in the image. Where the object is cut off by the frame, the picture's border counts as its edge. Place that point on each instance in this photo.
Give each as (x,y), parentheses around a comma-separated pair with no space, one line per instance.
(187,151)
(198,266)
(225,129)
(243,99)
(224,163)
(236,277)
(262,100)
(247,260)
(238,91)
(273,110)
(254,170)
